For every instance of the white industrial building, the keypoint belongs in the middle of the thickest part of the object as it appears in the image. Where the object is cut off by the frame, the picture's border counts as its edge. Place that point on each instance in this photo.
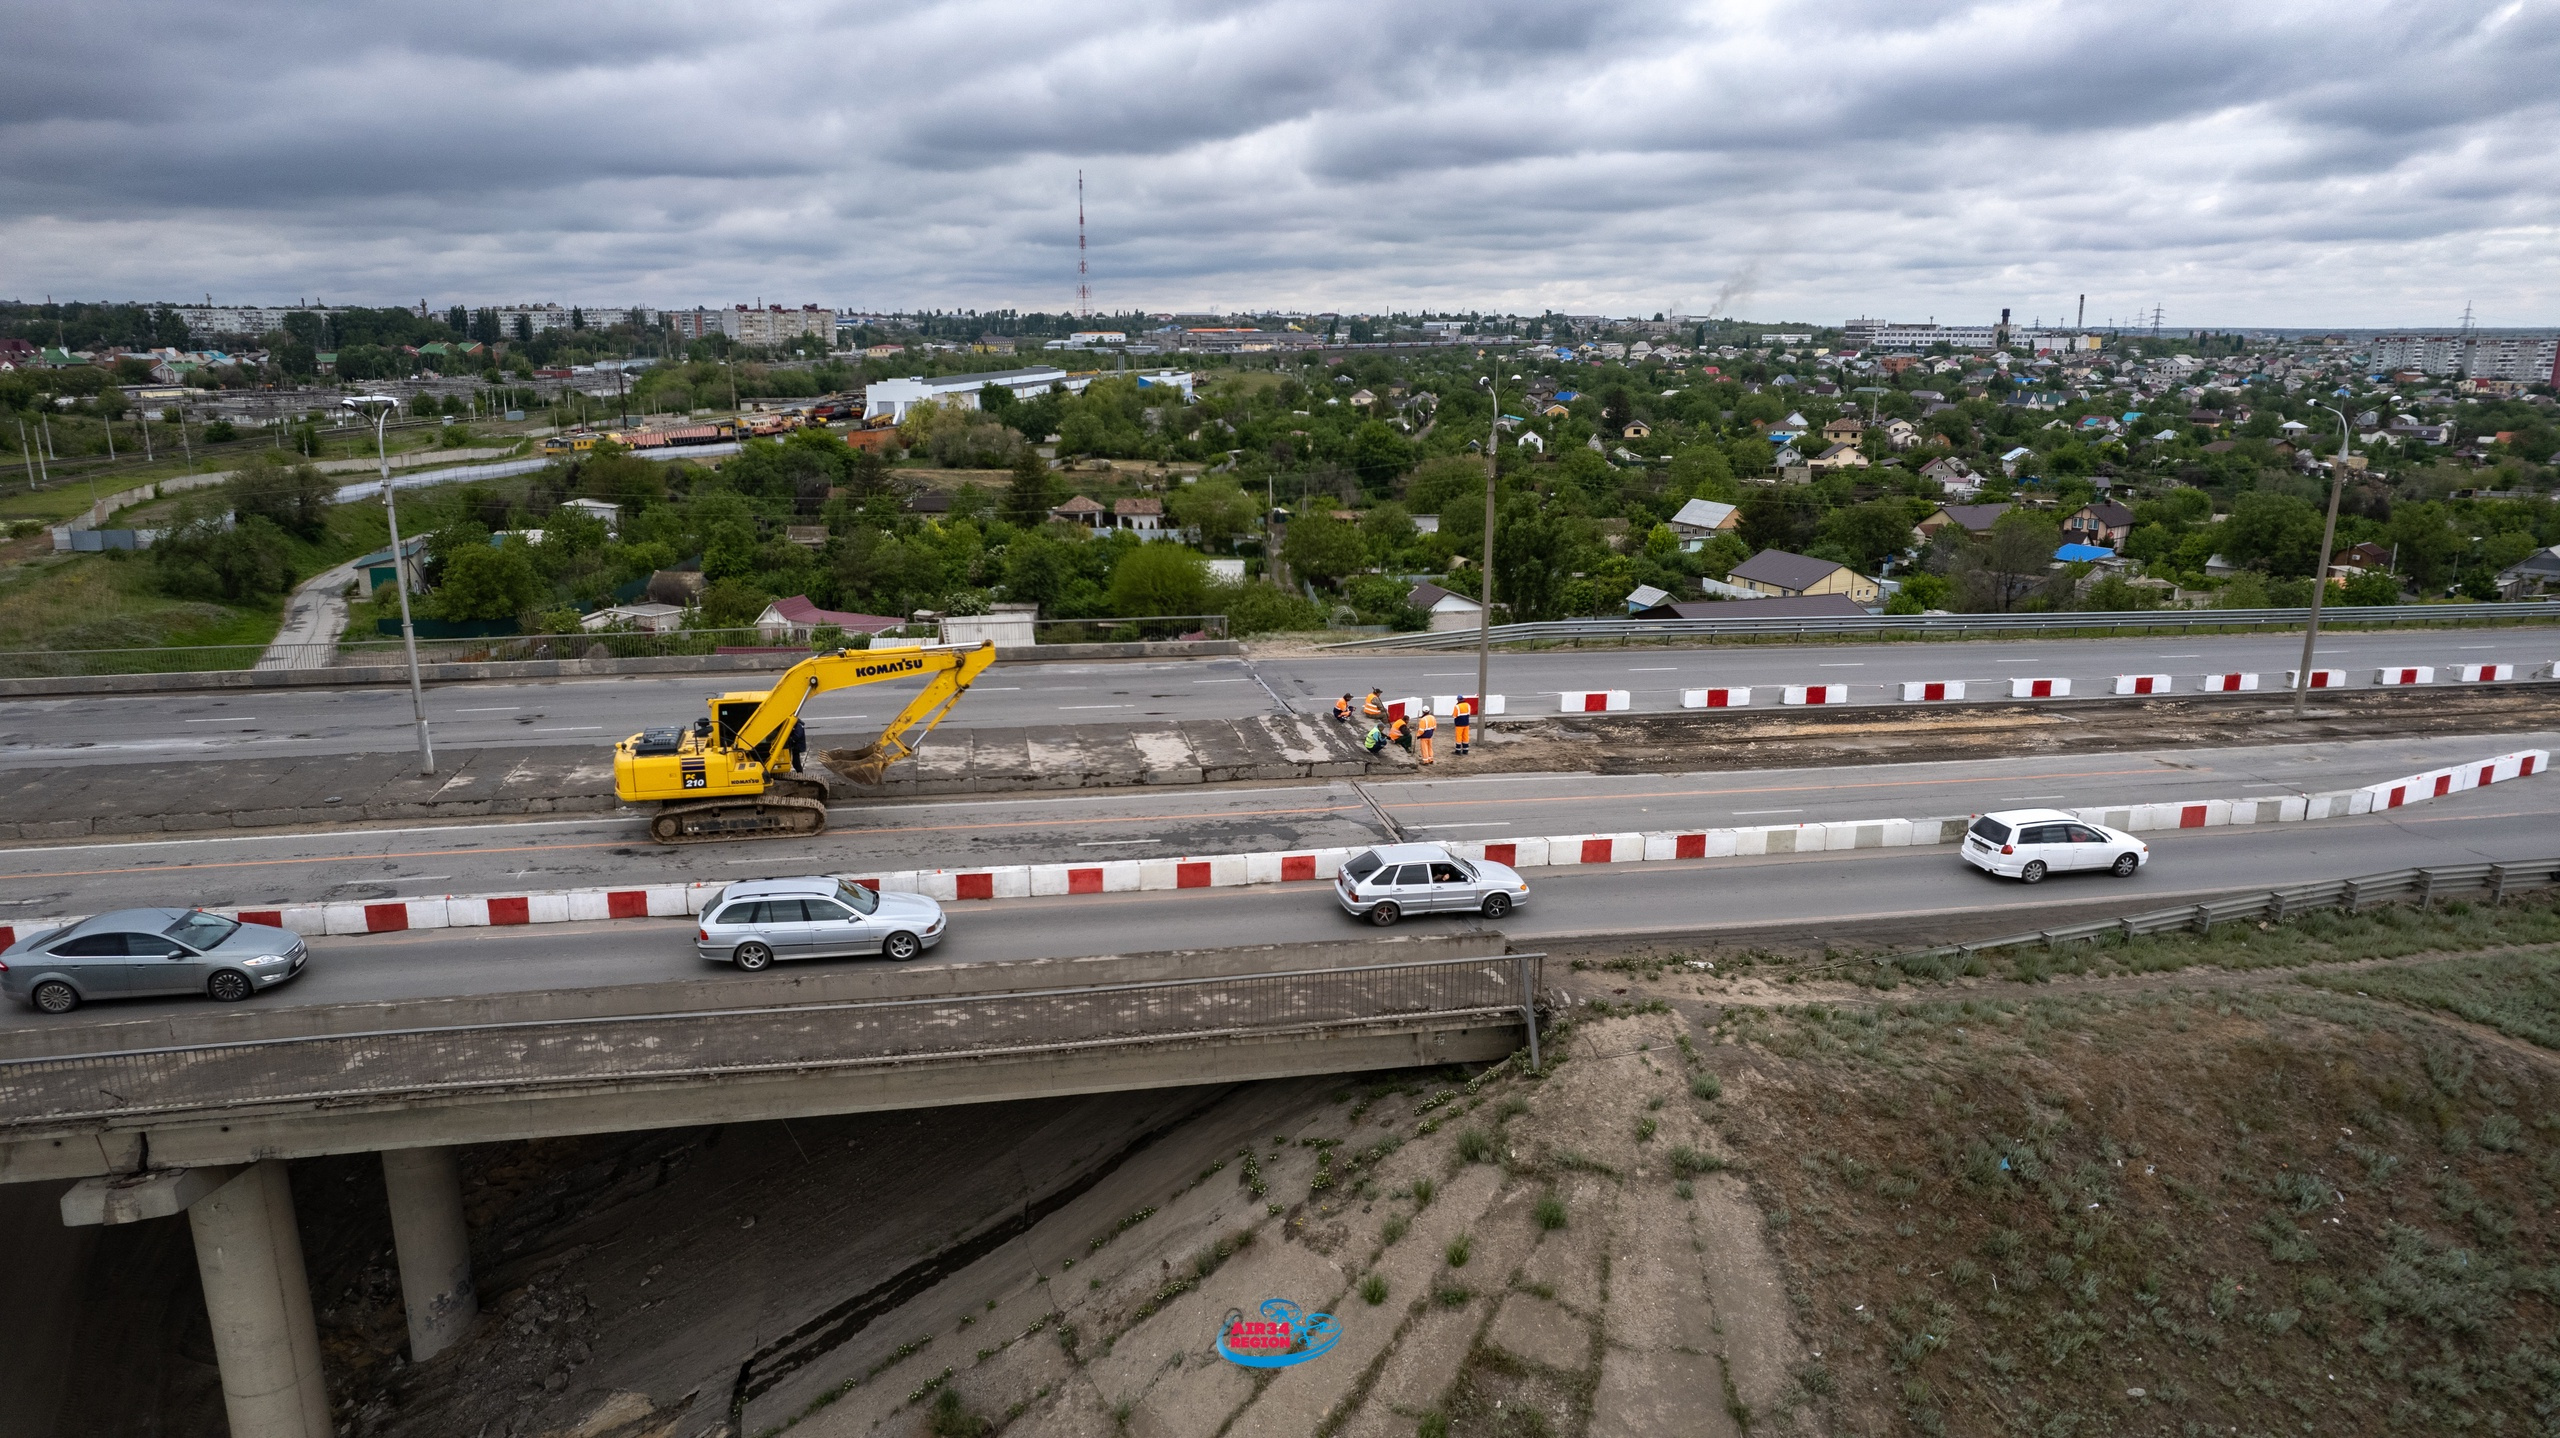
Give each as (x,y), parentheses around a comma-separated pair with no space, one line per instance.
(892,398)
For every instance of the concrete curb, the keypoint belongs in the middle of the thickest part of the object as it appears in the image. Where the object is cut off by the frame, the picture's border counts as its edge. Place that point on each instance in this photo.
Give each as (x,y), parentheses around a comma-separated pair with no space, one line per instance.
(360,676)
(1226,871)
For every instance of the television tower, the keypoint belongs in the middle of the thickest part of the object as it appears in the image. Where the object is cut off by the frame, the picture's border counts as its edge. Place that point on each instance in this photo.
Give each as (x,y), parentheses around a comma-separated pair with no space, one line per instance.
(1084,290)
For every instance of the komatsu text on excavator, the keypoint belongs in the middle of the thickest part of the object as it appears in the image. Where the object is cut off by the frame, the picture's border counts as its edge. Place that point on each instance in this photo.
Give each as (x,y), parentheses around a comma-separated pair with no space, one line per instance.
(739,772)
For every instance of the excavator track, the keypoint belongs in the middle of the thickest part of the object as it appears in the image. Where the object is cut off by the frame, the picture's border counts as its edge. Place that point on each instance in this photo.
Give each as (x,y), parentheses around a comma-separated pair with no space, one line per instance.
(712,821)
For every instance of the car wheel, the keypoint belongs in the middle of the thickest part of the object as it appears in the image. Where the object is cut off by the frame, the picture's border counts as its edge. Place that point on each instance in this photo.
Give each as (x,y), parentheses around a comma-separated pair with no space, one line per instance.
(1496,905)
(901,946)
(2124,866)
(752,957)
(2033,873)
(1384,915)
(53,996)
(229,986)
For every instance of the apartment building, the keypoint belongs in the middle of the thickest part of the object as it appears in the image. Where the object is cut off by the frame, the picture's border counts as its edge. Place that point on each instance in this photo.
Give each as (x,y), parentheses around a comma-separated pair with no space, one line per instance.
(757,325)
(2528,358)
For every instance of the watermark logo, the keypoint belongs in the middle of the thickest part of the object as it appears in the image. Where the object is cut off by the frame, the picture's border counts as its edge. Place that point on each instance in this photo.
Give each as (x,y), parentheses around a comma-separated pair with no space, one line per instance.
(1282,1335)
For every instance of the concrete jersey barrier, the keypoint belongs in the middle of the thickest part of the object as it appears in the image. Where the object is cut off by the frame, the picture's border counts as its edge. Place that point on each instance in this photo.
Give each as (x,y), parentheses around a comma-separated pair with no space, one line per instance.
(1225,871)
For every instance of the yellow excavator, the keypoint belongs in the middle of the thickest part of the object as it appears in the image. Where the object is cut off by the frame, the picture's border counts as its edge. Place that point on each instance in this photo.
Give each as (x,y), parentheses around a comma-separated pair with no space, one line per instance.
(740,772)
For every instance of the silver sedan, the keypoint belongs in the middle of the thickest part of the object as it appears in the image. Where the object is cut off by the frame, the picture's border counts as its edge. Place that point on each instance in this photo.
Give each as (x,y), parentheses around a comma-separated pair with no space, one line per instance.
(1386,883)
(134,953)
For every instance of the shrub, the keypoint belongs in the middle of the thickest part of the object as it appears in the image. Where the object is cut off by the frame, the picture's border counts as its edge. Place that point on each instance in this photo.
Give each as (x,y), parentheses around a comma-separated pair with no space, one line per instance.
(1460,1249)
(242,564)
(1705,1085)
(1373,1290)
(1474,1145)
(1687,1162)
(1550,1213)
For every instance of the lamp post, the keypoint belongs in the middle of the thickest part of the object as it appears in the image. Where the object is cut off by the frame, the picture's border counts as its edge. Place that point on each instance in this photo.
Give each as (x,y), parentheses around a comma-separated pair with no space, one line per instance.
(1484,611)
(2320,575)
(381,405)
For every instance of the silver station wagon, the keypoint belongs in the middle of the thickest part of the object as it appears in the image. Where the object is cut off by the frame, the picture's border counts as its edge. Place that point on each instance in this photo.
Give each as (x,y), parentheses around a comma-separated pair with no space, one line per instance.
(1384,884)
(756,922)
(136,953)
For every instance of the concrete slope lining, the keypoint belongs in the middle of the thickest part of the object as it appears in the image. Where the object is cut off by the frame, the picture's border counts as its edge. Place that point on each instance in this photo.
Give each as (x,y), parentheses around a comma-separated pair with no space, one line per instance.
(1222,871)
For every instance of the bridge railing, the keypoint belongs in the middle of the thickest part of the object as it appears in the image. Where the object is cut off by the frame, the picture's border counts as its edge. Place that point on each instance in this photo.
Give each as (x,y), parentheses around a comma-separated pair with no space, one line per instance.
(737,1042)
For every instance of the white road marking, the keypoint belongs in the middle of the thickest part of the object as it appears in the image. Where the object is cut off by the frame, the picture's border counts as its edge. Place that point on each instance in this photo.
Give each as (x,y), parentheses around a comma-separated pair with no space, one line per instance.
(1859,665)
(1108,843)
(2182,656)
(1753,813)
(1226,681)
(492,709)
(2022,798)
(1097,706)
(232,719)
(1487,824)
(569,729)
(1665,669)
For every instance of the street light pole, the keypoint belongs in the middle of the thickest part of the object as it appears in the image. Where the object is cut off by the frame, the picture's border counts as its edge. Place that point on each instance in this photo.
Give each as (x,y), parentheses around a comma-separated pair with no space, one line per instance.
(381,405)
(1484,611)
(2320,575)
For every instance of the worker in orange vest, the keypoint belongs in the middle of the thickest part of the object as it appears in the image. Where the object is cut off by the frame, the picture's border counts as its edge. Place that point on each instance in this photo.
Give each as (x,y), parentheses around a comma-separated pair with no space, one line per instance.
(1373,708)
(1465,710)
(1400,733)
(1342,710)
(1422,735)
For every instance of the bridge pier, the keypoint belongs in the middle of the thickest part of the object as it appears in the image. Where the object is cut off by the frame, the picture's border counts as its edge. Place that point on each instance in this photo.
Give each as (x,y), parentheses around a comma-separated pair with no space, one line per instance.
(249,1253)
(427,1230)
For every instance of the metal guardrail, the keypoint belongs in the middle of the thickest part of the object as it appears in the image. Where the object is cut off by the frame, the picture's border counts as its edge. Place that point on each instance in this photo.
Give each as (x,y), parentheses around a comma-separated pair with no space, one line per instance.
(738,1042)
(1931,626)
(2422,885)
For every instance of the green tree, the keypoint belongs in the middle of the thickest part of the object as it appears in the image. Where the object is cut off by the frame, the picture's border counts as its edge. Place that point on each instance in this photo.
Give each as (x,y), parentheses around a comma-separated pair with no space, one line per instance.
(1704,472)
(294,497)
(1869,533)
(1532,559)
(245,563)
(1027,498)
(1216,507)
(489,582)
(1159,578)
(2423,536)
(732,604)
(1322,548)
(2277,533)
(1379,455)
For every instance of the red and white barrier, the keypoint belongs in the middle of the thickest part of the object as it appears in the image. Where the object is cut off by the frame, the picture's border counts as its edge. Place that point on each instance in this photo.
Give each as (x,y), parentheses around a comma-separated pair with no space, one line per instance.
(1446,705)
(2320,679)
(2413,674)
(1595,701)
(2142,684)
(2039,688)
(1814,694)
(1922,691)
(1405,708)
(2484,673)
(1715,698)
(2229,684)
(1220,871)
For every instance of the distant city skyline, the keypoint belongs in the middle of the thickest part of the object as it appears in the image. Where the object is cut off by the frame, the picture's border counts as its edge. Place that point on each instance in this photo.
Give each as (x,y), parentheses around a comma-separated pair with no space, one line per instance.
(2279,166)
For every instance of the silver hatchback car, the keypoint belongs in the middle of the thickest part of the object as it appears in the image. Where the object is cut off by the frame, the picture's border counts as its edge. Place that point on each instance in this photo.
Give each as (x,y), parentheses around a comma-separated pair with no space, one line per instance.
(758,921)
(1384,884)
(133,953)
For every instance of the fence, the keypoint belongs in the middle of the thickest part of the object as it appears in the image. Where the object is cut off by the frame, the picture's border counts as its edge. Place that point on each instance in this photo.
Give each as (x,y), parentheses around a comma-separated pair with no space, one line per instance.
(2422,885)
(1960,626)
(739,1042)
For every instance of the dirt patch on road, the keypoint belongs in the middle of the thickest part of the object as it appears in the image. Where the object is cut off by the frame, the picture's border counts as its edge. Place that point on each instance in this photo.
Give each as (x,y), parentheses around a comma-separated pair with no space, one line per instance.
(1760,739)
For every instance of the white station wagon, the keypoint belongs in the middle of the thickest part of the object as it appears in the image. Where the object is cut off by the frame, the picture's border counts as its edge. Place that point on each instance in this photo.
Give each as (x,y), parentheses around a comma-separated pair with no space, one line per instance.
(2027,844)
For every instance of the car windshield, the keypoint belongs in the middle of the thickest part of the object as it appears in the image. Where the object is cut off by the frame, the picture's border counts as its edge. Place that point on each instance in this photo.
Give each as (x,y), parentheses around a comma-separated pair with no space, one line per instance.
(200,930)
(864,900)
(1991,831)
(1362,866)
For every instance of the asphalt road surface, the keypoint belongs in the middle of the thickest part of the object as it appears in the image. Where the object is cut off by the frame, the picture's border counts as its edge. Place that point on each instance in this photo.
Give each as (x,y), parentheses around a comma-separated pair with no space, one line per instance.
(595,712)
(2509,822)
(346,865)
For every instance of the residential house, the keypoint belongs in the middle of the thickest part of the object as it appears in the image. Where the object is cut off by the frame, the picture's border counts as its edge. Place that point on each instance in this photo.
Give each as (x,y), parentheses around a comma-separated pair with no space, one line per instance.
(1847,429)
(2016,460)
(1638,429)
(2536,573)
(1703,519)
(1083,511)
(1532,441)
(1841,456)
(646,618)
(1448,611)
(2082,554)
(1143,517)
(609,513)
(1787,576)
(1362,399)
(2367,555)
(1901,434)
(1644,597)
(1952,472)
(374,571)
(1973,519)
(796,618)
(2104,523)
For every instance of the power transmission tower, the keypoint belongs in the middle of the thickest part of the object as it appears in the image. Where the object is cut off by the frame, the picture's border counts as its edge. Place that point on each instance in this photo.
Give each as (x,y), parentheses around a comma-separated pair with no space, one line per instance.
(1084,290)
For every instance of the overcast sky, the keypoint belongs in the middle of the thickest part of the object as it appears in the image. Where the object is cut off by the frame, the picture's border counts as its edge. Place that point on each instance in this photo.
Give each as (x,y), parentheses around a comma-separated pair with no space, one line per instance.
(2350,162)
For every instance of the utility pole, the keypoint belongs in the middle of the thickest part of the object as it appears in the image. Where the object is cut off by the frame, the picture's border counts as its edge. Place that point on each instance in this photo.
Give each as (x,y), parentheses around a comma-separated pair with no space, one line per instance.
(1484,611)
(28,455)
(2320,576)
(381,405)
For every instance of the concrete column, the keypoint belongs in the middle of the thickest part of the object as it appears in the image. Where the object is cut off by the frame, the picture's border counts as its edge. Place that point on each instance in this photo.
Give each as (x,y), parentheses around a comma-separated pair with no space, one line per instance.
(250,1255)
(435,1249)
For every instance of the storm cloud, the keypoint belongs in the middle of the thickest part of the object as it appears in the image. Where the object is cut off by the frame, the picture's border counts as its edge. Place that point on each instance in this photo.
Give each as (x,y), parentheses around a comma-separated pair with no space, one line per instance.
(2283,163)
